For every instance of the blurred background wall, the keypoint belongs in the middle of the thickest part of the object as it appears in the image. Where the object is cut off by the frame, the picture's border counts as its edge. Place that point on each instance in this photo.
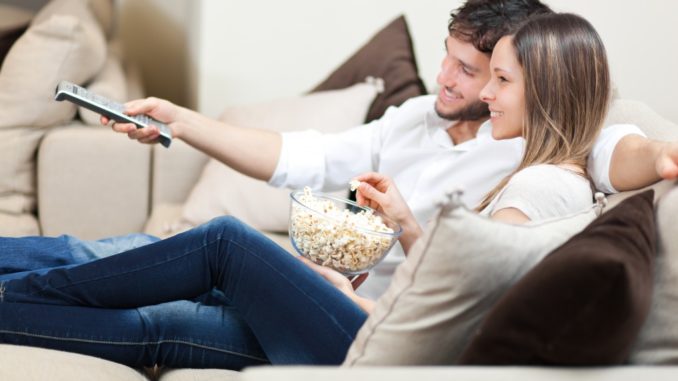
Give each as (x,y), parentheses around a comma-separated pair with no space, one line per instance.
(208,54)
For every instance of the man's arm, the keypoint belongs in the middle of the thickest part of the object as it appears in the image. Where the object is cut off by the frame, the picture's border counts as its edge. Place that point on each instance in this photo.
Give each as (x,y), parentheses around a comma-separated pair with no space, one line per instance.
(253,152)
(638,162)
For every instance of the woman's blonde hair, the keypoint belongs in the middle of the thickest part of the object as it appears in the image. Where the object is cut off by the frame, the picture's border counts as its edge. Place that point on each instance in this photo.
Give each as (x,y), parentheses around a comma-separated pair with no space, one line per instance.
(567,91)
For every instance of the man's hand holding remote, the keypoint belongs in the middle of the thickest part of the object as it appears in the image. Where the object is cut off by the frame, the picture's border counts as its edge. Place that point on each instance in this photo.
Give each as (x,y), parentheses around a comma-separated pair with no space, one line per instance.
(159,109)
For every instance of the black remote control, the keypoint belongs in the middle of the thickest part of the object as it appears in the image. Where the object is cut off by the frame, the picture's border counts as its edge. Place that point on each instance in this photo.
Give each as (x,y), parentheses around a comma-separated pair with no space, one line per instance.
(112,110)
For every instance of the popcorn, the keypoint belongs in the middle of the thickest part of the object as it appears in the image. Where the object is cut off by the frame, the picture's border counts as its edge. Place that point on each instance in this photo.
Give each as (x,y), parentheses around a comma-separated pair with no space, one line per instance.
(340,239)
(354,184)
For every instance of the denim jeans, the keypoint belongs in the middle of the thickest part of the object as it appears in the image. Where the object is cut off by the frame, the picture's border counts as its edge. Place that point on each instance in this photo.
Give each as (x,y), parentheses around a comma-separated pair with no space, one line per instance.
(39,254)
(281,307)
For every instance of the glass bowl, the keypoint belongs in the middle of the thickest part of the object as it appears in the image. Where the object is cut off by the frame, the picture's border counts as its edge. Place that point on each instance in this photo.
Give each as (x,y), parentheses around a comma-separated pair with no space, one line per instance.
(339,233)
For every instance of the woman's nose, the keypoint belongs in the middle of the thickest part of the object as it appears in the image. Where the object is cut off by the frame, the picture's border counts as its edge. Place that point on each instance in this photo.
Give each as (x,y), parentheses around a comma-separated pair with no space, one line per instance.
(486,94)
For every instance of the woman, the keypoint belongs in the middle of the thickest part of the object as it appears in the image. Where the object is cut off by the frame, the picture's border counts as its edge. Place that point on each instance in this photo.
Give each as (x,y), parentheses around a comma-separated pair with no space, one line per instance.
(550,84)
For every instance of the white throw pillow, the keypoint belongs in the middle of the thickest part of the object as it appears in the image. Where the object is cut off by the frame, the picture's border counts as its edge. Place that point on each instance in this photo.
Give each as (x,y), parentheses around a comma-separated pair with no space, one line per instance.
(451,278)
(222,190)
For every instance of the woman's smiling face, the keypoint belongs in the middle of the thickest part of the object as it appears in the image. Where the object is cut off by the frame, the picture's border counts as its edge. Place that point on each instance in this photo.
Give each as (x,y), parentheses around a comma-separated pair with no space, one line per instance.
(505,92)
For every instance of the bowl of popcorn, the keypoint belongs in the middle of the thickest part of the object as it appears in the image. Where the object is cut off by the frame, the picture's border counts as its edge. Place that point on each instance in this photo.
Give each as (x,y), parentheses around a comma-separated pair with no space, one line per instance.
(339,233)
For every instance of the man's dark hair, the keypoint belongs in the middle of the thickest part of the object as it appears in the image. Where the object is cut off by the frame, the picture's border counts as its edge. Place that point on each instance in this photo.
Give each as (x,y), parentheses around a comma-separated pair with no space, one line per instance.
(483,22)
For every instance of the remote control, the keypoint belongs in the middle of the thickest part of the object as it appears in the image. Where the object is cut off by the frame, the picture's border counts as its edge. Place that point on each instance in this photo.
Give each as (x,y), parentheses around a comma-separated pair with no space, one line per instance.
(112,110)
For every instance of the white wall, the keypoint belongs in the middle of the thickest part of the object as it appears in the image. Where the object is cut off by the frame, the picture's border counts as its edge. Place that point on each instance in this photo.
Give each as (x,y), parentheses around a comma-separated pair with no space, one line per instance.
(250,50)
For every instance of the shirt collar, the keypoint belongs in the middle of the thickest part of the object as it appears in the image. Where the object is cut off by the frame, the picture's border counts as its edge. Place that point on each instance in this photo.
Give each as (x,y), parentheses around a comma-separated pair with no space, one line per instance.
(437,131)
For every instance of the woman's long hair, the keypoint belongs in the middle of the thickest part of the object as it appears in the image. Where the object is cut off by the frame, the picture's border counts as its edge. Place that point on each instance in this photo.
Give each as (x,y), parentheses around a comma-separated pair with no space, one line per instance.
(567,91)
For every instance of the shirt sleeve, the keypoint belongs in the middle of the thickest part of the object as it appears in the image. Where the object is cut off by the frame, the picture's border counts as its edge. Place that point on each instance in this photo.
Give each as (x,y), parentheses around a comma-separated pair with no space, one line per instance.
(600,158)
(327,162)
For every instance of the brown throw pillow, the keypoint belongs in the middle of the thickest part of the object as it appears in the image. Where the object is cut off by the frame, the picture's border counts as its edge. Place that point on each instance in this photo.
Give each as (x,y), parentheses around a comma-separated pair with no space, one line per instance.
(389,55)
(584,304)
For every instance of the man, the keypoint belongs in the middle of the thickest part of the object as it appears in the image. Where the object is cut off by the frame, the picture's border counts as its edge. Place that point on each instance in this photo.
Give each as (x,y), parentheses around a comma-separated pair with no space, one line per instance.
(427,145)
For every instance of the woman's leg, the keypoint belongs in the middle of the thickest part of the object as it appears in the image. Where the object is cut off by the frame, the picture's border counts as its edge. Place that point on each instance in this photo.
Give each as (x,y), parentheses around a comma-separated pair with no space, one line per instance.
(25,254)
(295,314)
(178,334)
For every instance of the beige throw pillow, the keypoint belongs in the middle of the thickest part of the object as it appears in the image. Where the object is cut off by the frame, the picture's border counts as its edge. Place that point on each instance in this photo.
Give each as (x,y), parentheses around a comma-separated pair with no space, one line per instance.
(63,41)
(110,82)
(449,281)
(222,190)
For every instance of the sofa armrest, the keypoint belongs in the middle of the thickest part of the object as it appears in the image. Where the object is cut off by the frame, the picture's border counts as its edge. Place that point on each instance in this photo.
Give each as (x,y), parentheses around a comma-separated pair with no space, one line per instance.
(92,183)
(175,172)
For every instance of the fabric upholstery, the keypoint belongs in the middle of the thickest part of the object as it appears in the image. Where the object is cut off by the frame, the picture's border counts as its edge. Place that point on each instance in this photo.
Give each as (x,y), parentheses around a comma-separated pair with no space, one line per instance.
(109,82)
(657,343)
(13,23)
(389,55)
(584,304)
(116,172)
(452,276)
(26,363)
(63,41)
(222,190)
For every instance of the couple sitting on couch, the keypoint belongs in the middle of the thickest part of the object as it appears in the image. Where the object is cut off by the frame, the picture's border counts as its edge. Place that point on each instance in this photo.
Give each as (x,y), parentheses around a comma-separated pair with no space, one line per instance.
(222,295)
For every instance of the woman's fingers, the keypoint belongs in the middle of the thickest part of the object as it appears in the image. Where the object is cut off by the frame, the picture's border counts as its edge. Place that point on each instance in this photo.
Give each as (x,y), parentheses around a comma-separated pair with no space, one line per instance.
(368,195)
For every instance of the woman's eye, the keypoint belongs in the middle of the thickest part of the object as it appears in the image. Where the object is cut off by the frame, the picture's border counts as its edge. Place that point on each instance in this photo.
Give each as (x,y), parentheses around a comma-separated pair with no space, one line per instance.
(502,79)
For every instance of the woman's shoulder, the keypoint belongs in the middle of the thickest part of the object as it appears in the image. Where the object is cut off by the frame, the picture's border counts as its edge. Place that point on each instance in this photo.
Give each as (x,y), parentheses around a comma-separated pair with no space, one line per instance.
(546,191)
(538,174)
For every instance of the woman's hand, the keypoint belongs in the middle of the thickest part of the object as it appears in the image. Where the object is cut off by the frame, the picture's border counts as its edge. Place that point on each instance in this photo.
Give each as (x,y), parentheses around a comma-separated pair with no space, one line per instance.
(380,193)
(666,163)
(158,109)
(342,283)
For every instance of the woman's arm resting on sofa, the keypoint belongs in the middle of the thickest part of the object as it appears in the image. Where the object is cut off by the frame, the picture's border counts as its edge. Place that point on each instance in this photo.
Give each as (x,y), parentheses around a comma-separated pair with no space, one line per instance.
(638,162)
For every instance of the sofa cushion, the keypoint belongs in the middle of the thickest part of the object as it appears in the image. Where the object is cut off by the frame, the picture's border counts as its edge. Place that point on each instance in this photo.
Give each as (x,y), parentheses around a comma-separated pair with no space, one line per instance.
(584,304)
(625,111)
(63,41)
(389,55)
(657,343)
(27,363)
(221,190)
(452,276)
(199,374)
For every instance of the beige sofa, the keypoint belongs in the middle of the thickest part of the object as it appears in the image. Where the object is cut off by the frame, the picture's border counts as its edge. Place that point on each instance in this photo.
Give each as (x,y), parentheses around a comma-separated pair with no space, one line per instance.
(93,183)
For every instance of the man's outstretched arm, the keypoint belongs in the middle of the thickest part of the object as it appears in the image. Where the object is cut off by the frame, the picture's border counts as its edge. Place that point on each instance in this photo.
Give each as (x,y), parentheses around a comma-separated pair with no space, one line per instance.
(638,162)
(253,152)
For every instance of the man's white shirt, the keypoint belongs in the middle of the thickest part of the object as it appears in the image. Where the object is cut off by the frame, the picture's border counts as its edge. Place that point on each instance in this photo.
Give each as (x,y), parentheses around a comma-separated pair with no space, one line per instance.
(411,145)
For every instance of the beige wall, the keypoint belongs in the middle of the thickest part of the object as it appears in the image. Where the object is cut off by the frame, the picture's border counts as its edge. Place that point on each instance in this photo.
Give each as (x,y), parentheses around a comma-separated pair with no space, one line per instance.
(242,51)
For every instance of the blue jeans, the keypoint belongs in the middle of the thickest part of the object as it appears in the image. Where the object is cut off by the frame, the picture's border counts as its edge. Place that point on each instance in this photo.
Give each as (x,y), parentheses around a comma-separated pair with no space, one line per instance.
(281,306)
(19,256)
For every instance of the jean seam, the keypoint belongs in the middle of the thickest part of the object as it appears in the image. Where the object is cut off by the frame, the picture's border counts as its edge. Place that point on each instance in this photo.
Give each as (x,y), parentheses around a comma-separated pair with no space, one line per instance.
(332,318)
(135,343)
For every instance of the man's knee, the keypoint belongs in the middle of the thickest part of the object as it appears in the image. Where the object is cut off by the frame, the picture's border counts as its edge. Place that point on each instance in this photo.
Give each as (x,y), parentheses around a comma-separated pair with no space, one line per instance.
(224,224)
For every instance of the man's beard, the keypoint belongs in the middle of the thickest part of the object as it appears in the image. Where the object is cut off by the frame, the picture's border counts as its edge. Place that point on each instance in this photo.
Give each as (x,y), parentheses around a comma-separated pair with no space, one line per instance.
(475,111)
